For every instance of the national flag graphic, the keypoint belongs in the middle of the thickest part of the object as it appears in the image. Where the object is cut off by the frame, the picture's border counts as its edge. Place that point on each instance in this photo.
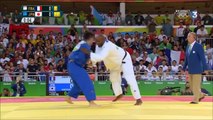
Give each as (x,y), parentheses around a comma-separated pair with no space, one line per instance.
(24,7)
(38,14)
(39,8)
(175,55)
(97,16)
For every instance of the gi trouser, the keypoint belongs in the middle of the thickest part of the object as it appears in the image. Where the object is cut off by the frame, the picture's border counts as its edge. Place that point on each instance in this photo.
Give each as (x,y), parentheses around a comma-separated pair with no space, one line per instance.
(81,82)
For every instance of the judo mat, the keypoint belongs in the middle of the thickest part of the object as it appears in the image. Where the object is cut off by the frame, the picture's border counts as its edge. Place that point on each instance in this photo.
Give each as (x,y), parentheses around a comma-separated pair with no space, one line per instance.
(153,108)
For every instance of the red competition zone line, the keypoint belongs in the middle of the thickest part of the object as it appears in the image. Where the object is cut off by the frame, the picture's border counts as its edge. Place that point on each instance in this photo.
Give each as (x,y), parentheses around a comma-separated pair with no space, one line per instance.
(104,98)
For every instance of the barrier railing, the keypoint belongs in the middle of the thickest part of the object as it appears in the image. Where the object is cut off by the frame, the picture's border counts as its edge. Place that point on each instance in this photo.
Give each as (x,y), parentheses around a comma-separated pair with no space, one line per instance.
(100,76)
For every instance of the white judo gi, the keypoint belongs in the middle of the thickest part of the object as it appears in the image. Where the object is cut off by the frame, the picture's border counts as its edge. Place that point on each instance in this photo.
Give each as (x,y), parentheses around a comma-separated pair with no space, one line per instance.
(117,60)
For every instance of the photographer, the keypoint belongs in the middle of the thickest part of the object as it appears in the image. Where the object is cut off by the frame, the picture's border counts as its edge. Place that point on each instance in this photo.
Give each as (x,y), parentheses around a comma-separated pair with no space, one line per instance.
(18,88)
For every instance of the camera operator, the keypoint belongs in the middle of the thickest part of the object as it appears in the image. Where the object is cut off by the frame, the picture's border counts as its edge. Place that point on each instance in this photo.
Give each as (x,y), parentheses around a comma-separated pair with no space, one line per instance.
(18,88)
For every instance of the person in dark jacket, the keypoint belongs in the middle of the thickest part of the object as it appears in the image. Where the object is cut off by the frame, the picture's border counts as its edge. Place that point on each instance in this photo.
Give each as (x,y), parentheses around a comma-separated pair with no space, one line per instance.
(18,88)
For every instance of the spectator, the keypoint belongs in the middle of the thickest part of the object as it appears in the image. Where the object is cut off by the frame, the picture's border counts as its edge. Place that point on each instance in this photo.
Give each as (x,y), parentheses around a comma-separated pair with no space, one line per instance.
(165,44)
(209,50)
(202,34)
(32,68)
(154,54)
(142,66)
(41,35)
(168,76)
(150,69)
(6,16)
(207,19)
(7,72)
(168,28)
(31,35)
(164,66)
(4,58)
(186,31)
(51,35)
(89,19)
(155,76)
(139,19)
(152,26)
(147,19)
(160,37)
(145,76)
(82,17)
(161,73)
(20,70)
(129,19)
(159,19)
(51,68)
(166,17)
(118,19)
(16,17)
(198,27)
(5,93)
(110,19)
(18,88)
(71,18)
(146,57)
(5,40)
(61,67)
(127,48)
(174,66)
(209,61)
(158,60)
(180,33)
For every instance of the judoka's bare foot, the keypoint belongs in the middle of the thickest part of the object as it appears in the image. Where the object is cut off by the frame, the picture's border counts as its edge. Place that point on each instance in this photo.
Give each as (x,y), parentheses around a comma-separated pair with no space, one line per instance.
(93,104)
(68,100)
(138,102)
(117,98)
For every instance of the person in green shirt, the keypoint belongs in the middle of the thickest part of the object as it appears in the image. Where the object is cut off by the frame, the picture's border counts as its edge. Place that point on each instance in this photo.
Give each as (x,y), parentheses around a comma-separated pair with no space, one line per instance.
(159,19)
(165,44)
(60,20)
(82,17)
(72,19)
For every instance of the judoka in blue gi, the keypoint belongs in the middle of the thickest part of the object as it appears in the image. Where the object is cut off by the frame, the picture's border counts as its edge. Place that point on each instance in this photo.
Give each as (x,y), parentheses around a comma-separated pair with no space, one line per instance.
(81,80)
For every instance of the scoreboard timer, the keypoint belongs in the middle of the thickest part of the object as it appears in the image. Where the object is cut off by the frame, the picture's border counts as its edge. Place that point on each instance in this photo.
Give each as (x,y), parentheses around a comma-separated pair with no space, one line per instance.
(30,12)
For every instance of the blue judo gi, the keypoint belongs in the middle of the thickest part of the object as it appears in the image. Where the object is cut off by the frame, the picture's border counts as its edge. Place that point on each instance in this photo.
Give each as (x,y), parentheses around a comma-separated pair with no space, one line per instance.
(80,77)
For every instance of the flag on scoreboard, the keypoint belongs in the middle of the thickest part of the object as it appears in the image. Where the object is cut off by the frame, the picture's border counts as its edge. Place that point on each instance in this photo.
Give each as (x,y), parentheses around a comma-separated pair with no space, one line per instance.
(98,20)
(38,14)
(38,8)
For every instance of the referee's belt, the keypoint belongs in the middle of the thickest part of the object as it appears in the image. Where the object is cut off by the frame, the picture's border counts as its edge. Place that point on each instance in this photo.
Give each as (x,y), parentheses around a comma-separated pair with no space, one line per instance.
(124,57)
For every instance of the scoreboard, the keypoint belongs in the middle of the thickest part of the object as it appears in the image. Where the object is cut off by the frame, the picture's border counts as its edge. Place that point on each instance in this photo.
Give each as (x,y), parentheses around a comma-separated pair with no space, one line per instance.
(30,12)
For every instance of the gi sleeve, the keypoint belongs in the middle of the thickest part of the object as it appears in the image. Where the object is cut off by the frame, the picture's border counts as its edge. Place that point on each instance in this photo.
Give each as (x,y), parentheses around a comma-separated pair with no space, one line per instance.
(101,55)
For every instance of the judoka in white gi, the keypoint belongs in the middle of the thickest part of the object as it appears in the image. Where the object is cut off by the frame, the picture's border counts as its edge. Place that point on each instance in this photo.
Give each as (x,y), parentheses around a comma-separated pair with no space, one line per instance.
(117,60)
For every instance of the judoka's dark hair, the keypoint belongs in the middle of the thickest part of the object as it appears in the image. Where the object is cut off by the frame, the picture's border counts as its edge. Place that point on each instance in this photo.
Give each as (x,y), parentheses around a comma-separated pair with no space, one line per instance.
(88,35)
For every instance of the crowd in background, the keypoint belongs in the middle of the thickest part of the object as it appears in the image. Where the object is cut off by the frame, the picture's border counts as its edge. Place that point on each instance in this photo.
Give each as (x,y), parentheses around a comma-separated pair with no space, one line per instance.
(40,53)
(111,18)
(37,54)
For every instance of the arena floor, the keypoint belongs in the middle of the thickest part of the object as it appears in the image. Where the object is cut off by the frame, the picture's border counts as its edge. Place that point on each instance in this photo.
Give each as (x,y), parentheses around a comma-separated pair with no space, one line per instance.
(154,107)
